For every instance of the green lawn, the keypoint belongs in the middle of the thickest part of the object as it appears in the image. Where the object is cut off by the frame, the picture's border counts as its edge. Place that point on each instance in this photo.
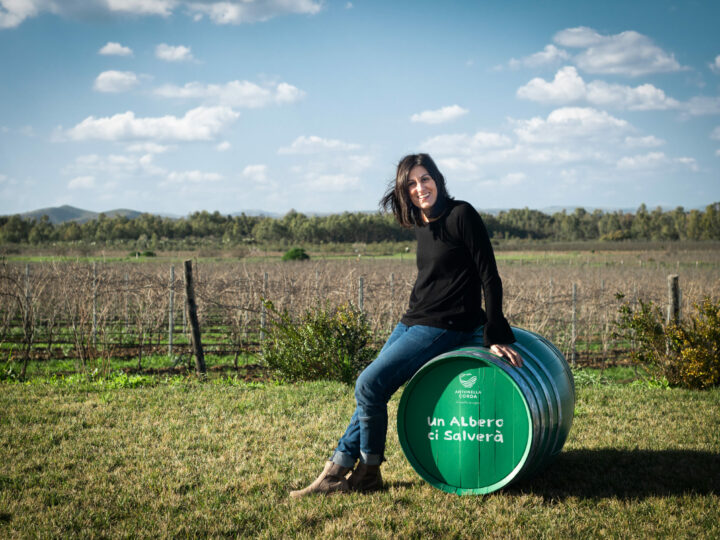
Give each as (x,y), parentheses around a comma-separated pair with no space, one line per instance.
(174,457)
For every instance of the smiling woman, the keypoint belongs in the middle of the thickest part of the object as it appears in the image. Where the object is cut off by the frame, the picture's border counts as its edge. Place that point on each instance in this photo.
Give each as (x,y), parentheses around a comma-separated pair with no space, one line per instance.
(455,264)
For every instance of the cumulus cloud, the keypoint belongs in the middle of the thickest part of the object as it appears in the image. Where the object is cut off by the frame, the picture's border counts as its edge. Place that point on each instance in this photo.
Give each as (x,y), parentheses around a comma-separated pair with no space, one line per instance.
(115,81)
(14,12)
(82,182)
(715,66)
(655,160)
(570,123)
(223,146)
(550,55)
(195,176)
(313,144)
(702,106)
(114,165)
(568,86)
(173,53)
(464,144)
(142,7)
(112,48)
(238,12)
(439,116)
(650,160)
(256,173)
(148,148)
(715,134)
(628,53)
(234,93)
(201,123)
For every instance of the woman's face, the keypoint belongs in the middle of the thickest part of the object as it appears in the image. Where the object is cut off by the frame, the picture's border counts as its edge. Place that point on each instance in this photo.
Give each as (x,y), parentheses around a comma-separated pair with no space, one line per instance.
(422,188)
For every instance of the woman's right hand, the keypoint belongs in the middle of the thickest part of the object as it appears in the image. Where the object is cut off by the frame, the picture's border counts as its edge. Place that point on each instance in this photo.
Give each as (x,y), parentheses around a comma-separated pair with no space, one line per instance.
(507,352)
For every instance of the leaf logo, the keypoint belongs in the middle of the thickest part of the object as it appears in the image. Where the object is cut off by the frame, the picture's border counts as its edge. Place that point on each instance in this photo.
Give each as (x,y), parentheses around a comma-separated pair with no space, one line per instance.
(468,380)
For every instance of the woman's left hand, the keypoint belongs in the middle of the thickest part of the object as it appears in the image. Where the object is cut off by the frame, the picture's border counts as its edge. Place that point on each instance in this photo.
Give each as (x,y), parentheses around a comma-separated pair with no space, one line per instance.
(508,353)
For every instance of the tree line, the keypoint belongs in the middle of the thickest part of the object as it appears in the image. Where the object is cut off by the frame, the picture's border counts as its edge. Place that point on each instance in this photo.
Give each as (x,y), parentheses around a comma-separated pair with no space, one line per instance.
(357,227)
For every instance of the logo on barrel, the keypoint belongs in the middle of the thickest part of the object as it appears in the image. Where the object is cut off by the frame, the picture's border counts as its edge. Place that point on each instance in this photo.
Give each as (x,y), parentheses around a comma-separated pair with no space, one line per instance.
(468,380)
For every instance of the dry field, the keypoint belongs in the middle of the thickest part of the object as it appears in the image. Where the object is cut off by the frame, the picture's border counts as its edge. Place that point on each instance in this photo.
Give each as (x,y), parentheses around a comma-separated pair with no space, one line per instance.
(90,311)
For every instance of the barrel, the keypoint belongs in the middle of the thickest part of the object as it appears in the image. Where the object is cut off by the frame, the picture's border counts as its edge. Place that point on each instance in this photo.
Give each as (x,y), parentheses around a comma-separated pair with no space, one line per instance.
(470,423)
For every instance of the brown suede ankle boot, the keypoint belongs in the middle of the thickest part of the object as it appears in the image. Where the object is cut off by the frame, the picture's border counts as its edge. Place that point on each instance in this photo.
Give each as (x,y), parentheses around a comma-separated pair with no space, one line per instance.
(331,480)
(366,478)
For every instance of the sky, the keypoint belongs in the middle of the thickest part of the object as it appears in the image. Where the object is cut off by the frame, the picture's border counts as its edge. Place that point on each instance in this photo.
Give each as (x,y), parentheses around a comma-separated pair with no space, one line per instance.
(177,106)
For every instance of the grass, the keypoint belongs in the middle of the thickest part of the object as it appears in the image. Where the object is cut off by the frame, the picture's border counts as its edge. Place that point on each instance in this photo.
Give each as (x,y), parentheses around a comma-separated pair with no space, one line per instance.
(174,457)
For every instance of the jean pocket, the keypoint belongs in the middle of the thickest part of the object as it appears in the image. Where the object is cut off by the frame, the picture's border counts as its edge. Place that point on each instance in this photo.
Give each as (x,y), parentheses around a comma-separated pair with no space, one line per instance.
(426,336)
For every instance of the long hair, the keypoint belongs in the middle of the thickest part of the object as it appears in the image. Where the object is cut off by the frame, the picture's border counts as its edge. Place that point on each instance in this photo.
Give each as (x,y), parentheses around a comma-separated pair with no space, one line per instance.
(397,197)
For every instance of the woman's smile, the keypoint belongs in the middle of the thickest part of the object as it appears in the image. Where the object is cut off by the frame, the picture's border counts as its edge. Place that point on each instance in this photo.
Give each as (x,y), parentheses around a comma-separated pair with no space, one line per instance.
(422,188)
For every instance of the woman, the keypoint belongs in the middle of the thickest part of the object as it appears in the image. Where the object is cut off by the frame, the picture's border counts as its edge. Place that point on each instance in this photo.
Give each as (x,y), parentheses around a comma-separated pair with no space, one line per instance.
(455,264)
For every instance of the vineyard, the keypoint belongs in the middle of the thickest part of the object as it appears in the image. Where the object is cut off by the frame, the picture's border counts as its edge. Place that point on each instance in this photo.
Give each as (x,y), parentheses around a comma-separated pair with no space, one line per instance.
(91,312)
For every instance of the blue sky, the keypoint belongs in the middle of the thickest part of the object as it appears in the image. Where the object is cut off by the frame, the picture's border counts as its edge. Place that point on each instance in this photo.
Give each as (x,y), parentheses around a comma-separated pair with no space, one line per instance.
(174,106)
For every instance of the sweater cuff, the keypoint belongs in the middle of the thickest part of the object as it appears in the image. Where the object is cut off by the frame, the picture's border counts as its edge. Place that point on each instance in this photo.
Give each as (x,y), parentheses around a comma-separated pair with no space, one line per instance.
(498,332)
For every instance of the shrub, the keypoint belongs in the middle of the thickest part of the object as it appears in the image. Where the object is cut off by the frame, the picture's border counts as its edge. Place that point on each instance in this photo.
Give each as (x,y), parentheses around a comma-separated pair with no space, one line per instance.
(325,343)
(686,353)
(295,254)
(142,254)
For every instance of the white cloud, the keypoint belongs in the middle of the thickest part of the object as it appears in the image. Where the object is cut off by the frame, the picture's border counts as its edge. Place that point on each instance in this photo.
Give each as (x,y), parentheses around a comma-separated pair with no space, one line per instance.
(702,106)
(287,93)
(115,81)
(173,53)
(439,116)
(715,134)
(256,173)
(715,66)
(238,12)
(655,160)
(649,141)
(628,53)
(114,165)
(201,123)
(178,177)
(148,148)
(569,124)
(82,182)
(234,93)
(464,144)
(650,160)
(142,7)
(568,87)
(313,144)
(691,163)
(14,12)
(550,55)
(112,48)
(223,146)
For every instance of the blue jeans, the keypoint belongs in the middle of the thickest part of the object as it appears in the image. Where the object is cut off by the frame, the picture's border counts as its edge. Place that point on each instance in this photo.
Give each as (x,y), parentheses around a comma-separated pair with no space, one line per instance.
(407,349)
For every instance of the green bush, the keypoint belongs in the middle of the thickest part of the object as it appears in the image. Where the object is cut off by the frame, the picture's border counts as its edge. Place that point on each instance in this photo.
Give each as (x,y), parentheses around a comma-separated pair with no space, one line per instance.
(686,353)
(325,343)
(295,254)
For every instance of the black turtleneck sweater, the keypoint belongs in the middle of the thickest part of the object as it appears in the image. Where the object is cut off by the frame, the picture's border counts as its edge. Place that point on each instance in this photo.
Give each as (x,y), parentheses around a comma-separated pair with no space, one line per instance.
(455,262)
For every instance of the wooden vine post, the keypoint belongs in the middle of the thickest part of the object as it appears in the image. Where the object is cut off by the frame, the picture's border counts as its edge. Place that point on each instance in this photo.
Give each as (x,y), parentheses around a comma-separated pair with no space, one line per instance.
(194,325)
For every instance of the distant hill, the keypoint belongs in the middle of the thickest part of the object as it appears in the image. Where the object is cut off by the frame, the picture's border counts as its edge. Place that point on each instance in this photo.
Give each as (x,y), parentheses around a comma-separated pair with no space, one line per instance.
(65,213)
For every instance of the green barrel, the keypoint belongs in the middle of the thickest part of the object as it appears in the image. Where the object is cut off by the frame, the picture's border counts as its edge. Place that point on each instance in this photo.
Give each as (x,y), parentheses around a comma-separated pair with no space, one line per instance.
(471,423)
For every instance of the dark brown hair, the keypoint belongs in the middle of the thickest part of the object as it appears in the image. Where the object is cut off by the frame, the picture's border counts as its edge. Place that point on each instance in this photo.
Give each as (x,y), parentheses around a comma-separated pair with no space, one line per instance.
(397,197)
